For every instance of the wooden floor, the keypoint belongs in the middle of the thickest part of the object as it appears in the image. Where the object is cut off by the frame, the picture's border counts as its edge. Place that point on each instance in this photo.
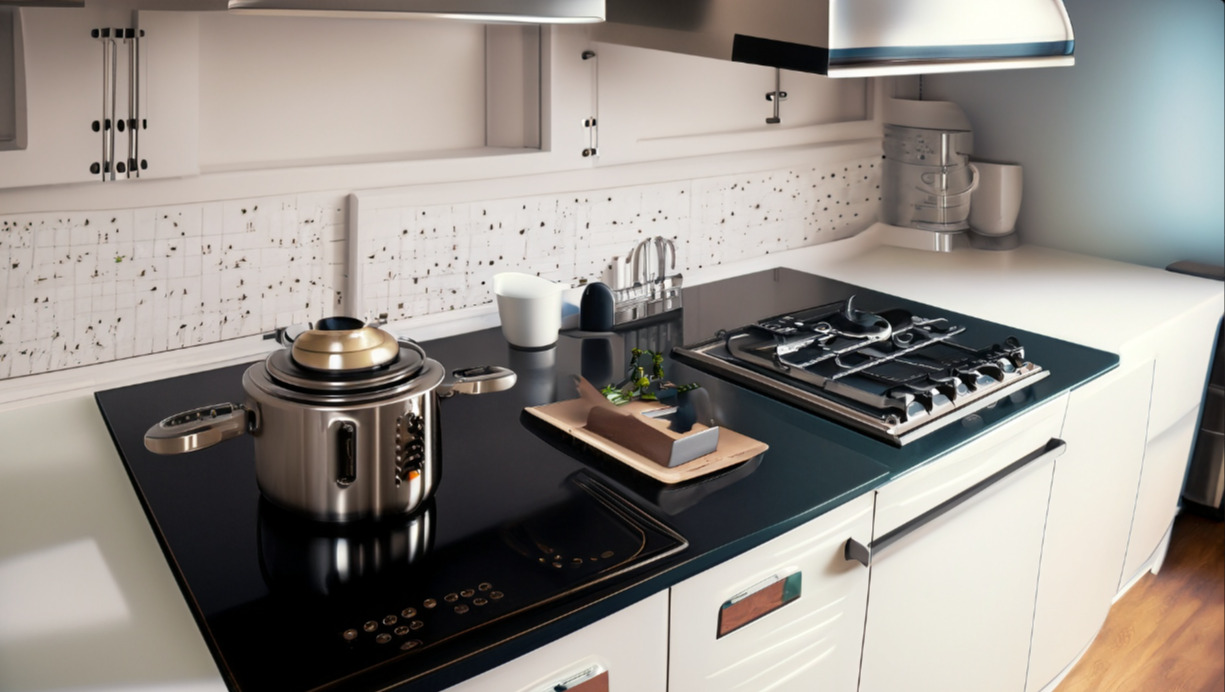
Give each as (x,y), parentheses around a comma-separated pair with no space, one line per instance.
(1167,634)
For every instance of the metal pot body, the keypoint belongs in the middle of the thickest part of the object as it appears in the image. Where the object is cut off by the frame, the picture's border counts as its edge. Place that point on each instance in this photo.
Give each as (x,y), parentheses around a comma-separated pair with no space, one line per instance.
(338,461)
(355,440)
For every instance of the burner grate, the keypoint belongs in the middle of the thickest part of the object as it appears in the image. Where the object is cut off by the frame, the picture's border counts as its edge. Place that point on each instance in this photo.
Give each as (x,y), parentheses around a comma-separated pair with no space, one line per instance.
(890,372)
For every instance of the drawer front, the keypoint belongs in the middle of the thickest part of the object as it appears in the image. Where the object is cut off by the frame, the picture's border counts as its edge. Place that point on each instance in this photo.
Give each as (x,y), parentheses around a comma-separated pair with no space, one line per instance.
(788,613)
(952,603)
(625,652)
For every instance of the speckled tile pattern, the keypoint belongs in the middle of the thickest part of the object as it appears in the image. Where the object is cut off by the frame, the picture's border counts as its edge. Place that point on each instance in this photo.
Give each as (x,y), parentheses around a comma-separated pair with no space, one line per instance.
(89,287)
(420,260)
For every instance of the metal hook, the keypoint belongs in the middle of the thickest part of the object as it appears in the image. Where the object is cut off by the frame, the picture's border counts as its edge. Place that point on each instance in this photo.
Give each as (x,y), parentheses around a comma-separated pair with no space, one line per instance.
(776,96)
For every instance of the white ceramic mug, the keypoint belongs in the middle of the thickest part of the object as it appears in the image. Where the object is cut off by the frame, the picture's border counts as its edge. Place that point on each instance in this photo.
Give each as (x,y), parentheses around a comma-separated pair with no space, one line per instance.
(530,309)
(997,201)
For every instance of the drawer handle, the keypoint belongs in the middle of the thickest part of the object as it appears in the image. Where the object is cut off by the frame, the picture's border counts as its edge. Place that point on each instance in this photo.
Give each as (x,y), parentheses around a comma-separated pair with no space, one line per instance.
(758,601)
(863,554)
(594,678)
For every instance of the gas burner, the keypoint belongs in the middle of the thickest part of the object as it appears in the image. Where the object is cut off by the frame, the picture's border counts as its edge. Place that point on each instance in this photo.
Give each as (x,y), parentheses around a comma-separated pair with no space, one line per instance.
(890,373)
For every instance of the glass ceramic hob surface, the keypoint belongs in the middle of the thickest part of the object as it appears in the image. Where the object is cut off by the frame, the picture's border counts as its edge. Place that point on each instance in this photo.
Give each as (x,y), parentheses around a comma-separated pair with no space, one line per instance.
(288,604)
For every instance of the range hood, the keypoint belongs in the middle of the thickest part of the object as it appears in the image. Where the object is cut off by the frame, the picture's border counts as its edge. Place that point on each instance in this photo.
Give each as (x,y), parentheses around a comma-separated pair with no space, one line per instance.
(509,11)
(851,38)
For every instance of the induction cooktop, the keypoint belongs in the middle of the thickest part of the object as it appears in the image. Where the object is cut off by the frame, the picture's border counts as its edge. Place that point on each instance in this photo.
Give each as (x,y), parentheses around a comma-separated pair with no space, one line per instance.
(289,604)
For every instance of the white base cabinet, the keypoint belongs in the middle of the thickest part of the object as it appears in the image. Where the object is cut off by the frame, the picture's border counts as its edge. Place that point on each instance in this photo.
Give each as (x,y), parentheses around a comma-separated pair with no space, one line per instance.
(1092,498)
(1165,465)
(791,613)
(951,602)
(625,652)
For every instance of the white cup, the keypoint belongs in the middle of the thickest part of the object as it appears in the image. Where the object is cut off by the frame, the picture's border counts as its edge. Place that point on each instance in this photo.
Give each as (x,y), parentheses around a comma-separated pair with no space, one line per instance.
(530,309)
(997,201)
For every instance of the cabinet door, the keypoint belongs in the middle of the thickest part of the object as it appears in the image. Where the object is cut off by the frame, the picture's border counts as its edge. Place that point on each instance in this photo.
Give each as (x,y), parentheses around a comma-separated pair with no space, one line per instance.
(62,67)
(1166,456)
(952,598)
(1092,498)
(787,615)
(625,652)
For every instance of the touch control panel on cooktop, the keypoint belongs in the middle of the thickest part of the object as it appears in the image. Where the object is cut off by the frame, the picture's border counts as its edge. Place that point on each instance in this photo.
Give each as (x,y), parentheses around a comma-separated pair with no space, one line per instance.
(287,603)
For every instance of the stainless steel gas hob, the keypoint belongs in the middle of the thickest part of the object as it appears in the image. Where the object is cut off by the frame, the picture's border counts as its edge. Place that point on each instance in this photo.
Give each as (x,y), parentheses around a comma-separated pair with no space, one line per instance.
(892,374)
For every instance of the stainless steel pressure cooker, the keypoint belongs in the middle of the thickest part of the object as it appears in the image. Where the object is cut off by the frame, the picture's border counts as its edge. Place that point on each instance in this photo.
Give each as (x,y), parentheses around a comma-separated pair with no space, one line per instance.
(345,421)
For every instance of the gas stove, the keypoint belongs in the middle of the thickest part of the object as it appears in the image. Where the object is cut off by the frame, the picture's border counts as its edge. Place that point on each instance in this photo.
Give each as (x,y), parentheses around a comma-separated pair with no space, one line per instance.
(890,373)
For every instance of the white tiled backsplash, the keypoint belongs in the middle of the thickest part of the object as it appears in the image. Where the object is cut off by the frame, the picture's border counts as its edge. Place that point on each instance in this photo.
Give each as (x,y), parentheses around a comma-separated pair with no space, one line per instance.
(90,287)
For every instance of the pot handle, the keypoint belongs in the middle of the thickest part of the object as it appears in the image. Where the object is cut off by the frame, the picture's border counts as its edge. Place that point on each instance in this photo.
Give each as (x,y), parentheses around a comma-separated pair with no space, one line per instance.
(482,379)
(198,428)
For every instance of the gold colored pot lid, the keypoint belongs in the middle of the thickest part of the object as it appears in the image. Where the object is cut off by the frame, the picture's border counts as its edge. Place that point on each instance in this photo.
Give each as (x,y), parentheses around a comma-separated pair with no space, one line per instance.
(344,344)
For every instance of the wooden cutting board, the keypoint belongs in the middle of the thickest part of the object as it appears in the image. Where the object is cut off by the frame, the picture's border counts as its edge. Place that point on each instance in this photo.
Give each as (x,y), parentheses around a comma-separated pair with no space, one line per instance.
(570,416)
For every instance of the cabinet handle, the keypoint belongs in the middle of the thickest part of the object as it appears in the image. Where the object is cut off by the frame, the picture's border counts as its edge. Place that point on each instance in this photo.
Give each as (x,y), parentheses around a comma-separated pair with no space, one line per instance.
(133,41)
(110,124)
(758,600)
(862,554)
(594,678)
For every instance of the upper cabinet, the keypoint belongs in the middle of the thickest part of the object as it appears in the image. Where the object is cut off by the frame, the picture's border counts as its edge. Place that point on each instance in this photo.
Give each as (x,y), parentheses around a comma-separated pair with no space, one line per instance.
(292,91)
(217,92)
(97,95)
(12,82)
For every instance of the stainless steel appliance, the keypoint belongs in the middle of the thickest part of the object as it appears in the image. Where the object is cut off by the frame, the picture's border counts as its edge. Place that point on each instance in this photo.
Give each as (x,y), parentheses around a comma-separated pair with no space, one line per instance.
(519,11)
(1205,483)
(927,178)
(850,38)
(890,373)
(345,421)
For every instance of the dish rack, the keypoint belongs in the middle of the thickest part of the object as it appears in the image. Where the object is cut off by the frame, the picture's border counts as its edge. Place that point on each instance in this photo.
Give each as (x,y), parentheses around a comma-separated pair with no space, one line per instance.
(642,287)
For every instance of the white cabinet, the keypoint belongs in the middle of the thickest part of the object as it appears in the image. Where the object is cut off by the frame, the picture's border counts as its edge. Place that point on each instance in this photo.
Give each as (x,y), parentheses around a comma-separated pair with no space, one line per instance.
(62,71)
(1184,348)
(625,652)
(787,615)
(1092,499)
(954,563)
(1165,465)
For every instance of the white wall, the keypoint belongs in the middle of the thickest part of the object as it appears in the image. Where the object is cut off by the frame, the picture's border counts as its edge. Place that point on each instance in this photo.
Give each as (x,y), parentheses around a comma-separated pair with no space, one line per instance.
(277,90)
(1124,152)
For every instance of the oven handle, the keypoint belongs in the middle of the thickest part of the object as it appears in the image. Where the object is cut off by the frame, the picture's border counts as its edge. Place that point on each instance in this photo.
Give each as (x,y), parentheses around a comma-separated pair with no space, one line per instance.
(864,554)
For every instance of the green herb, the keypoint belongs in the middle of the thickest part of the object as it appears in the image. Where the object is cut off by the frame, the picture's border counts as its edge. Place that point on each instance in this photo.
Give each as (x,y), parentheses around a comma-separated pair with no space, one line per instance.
(639,385)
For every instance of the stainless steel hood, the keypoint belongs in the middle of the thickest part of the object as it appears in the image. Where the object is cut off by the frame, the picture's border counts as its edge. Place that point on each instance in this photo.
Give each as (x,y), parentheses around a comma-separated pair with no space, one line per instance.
(851,38)
(511,11)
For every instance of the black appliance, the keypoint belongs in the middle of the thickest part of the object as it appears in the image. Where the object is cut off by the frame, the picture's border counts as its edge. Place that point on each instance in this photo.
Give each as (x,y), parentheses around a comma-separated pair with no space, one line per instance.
(286,603)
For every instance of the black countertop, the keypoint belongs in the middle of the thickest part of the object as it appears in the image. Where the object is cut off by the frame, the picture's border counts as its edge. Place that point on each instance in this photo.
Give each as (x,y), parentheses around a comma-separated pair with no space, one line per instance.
(505,461)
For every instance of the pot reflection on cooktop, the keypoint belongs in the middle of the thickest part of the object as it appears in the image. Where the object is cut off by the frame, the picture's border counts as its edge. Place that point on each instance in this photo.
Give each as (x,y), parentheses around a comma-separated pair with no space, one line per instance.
(348,602)
(285,603)
(323,559)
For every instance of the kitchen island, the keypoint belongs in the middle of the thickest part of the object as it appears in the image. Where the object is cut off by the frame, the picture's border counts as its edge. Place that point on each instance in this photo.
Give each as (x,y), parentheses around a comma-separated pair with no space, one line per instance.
(811,469)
